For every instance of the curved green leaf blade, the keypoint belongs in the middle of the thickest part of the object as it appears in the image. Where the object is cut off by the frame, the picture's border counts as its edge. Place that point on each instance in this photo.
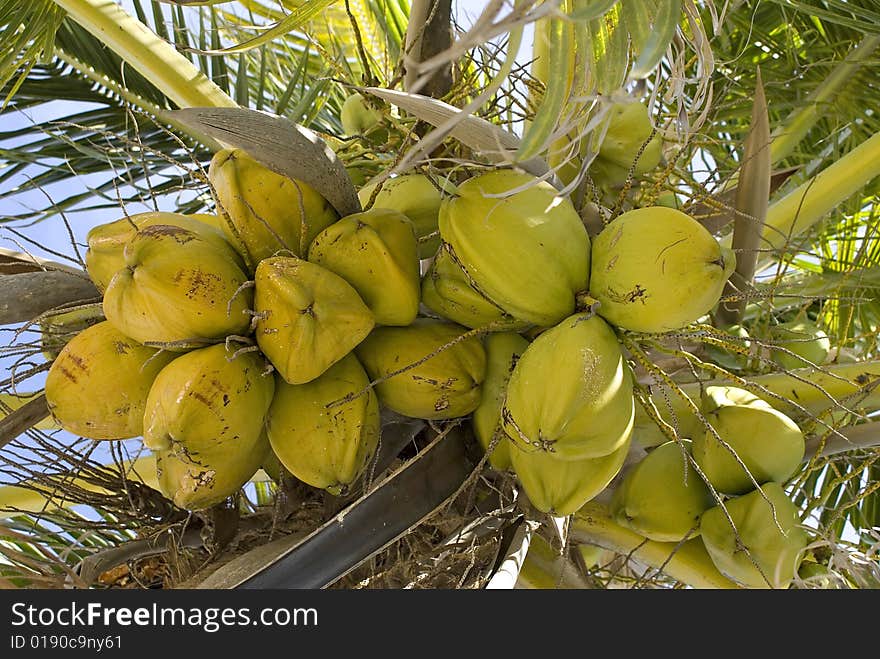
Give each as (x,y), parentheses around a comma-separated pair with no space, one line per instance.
(651,39)
(294,21)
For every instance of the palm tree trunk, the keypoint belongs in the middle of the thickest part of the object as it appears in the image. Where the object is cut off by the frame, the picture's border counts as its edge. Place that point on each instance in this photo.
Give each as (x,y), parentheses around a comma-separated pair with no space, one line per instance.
(428,33)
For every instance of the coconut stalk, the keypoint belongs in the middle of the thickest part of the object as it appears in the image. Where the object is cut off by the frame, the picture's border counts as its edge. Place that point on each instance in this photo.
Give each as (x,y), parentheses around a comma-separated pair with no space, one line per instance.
(515,557)
(157,60)
(688,562)
(9,402)
(546,568)
(28,294)
(752,199)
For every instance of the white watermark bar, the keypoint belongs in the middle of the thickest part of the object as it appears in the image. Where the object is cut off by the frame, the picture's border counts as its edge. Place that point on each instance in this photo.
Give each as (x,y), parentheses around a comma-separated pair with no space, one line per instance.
(36,622)
(209,619)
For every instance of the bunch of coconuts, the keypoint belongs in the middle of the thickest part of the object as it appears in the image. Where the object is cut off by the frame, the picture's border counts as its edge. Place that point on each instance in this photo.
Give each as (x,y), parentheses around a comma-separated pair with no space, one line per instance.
(275,331)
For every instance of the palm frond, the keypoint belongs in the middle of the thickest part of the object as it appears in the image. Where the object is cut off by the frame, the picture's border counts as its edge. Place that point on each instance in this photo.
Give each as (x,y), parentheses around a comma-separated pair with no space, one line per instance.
(27,35)
(291,76)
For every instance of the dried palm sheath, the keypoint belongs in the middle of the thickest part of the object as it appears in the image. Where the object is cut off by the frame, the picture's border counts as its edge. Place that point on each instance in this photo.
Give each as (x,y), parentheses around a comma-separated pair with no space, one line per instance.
(374,521)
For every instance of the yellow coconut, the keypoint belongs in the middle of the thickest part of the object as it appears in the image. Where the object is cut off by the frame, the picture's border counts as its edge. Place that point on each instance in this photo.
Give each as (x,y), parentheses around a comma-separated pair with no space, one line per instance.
(521,244)
(267,212)
(503,350)
(561,487)
(325,432)
(359,118)
(570,393)
(178,288)
(439,385)
(106,242)
(766,441)
(447,292)
(768,543)
(416,196)
(308,318)
(205,420)
(662,496)
(97,387)
(657,269)
(376,252)
(800,343)
(629,127)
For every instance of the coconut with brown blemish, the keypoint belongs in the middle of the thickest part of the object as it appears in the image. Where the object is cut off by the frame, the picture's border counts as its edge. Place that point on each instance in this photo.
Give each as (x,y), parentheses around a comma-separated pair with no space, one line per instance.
(105,254)
(657,269)
(205,420)
(426,370)
(308,318)
(97,386)
(178,288)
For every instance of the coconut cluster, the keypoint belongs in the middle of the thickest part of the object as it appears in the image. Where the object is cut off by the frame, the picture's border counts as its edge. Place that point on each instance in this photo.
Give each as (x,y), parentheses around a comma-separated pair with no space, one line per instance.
(267,334)
(275,331)
(735,468)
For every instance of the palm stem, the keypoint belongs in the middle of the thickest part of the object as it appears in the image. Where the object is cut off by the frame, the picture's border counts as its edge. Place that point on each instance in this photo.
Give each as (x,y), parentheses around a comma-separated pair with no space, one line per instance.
(157,60)
(689,562)
(797,124)
(805,206)
(865,435)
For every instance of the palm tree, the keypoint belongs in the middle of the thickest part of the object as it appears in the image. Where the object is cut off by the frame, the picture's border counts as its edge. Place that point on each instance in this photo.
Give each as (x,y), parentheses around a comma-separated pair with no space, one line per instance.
(768,139)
